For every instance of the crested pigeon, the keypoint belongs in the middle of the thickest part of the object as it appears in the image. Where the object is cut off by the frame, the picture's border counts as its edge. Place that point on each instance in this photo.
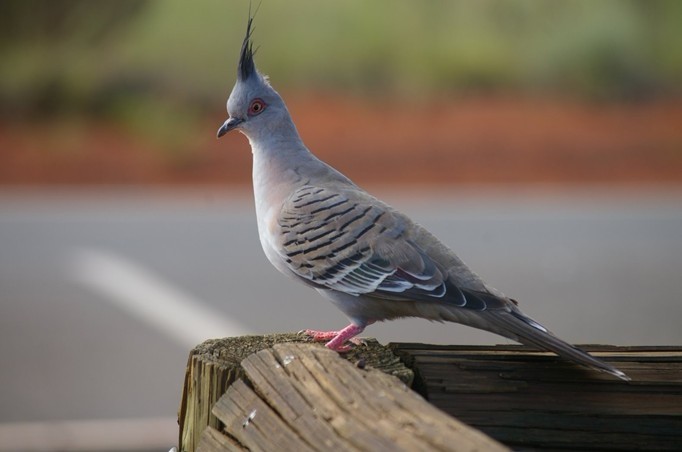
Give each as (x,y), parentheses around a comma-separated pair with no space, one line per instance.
(373,262)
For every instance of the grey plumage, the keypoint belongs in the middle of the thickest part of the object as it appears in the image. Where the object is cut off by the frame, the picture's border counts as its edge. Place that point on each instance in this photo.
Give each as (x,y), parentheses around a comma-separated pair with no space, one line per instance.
(373,262)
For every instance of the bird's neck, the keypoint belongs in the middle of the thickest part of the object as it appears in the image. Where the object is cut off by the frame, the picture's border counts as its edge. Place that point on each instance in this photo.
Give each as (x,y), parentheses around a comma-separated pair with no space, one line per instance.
(278,154)
(277,151)
(277,143)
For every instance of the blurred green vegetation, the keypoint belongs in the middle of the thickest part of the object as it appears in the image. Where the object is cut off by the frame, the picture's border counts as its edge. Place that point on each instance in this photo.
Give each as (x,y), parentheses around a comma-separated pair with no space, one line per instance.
(153,63)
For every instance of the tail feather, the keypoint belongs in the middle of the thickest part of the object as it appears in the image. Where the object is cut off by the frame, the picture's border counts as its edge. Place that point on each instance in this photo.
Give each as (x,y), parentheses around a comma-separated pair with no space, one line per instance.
(522,328)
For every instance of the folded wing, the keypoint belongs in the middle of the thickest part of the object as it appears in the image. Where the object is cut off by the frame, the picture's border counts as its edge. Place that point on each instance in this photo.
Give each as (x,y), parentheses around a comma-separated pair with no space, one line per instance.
(347,241)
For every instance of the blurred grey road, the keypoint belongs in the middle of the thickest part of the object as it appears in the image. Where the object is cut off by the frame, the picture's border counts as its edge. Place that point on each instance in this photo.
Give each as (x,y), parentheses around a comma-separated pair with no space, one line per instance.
(103,294)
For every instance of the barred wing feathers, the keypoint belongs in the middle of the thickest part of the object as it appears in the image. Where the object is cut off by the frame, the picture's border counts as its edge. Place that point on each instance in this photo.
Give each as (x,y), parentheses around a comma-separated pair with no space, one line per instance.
(348,241)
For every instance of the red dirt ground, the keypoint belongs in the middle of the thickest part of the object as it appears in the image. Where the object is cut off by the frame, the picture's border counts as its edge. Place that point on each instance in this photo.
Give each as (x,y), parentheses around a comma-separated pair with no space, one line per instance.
(453,142)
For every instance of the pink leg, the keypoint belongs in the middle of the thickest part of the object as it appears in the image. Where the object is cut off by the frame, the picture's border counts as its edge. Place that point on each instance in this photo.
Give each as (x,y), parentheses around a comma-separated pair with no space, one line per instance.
(348,333)
(338,338)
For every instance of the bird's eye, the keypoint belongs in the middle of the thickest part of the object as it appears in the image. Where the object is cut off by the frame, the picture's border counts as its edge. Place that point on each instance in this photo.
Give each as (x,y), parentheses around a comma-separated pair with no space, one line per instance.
(257,106)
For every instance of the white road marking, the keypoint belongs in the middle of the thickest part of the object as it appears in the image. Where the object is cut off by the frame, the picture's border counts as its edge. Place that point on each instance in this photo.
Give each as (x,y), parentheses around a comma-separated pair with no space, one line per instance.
(89,435)
(147,297)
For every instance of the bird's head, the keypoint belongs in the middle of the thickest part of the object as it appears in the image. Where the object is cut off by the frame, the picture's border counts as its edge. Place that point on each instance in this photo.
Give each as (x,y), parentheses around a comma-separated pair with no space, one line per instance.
(253,104)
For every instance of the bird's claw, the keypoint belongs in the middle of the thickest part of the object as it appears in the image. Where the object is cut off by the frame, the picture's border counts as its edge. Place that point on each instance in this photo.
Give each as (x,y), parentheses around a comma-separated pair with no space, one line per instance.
(320,336)
(345,348)
(329,336)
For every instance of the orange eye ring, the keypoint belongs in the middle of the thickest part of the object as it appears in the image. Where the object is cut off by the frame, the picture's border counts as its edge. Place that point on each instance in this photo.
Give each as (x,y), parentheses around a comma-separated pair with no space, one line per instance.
(256,107)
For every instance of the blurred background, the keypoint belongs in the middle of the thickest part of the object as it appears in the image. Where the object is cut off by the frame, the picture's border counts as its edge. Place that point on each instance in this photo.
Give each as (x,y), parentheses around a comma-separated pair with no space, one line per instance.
(540,140)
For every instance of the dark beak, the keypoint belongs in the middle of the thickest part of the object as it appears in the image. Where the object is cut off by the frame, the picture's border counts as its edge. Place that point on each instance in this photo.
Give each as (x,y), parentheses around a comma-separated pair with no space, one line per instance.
(228,125)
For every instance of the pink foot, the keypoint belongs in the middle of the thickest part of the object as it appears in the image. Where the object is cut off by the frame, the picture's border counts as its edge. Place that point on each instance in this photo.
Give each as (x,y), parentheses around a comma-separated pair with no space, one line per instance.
(320,336)
(338,339)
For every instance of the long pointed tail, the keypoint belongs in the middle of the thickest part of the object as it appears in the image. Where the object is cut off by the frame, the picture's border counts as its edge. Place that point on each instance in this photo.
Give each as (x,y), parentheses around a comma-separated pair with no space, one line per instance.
(518,326)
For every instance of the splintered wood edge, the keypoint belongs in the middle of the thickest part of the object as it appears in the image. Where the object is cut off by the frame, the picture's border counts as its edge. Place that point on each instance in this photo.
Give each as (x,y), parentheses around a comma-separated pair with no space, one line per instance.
(305,397)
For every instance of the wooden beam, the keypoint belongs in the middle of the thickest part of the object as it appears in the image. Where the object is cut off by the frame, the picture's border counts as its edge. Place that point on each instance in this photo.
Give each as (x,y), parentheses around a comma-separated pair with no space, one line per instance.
(531,400)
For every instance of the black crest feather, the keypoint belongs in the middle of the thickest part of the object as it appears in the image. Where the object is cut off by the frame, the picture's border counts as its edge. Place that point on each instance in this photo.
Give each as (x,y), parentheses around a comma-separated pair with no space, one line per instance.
(246,66)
